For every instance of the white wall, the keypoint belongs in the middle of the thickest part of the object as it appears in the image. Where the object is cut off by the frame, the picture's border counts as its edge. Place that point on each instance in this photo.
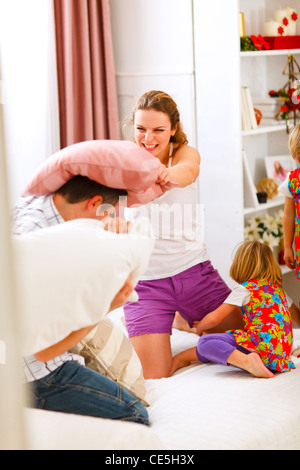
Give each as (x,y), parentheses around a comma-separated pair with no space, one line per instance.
(153,47)
(217,64)
(12,435)
(29,81)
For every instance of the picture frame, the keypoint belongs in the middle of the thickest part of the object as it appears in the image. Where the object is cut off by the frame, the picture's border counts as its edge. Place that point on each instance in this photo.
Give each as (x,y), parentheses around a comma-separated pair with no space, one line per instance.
(279,166)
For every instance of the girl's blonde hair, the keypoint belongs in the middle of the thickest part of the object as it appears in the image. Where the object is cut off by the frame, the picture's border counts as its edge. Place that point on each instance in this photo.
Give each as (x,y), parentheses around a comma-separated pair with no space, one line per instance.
(294,143)
(161,101)
(255,260)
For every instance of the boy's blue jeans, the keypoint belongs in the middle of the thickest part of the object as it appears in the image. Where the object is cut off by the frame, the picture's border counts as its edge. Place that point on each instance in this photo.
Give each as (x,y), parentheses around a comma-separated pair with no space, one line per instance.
(73,388)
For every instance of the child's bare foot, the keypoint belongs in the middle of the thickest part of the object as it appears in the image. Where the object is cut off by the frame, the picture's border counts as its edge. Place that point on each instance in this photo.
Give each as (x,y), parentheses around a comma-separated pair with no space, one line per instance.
(181,324)
(250,362)
(257,367)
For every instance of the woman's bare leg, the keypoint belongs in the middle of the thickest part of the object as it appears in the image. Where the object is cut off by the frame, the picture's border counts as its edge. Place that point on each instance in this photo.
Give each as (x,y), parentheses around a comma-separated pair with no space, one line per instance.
(154,352)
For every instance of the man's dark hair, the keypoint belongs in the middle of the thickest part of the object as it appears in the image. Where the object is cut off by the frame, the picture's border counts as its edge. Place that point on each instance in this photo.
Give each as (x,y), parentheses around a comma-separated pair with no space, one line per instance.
(80,188)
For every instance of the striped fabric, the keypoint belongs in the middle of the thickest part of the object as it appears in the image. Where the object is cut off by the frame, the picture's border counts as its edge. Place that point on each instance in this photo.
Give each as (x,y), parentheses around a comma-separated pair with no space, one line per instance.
(108,351)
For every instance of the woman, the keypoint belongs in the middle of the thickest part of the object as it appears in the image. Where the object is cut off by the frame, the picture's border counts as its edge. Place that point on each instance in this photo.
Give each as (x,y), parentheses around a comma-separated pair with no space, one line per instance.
(179,276)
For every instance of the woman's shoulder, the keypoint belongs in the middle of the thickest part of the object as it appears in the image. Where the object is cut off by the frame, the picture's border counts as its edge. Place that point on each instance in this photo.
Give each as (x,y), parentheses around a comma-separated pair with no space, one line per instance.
(187,153)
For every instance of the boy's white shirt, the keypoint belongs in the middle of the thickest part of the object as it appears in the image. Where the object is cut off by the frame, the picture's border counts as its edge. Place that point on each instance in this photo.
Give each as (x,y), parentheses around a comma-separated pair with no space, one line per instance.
(67,276)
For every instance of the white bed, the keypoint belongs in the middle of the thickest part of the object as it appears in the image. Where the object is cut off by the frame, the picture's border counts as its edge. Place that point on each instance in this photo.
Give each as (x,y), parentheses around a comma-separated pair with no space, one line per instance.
(202,407)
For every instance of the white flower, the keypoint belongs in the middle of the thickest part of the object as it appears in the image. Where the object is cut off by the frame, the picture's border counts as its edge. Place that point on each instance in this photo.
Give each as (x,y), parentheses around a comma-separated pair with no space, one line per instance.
(270,240)
(267,229)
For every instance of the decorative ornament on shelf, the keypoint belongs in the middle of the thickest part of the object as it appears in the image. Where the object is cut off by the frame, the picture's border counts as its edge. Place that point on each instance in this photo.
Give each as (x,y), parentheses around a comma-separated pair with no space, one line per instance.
(287,17)
(269,186)
(258,115)
(254,43)
(280,32)
(289,93)
(267,229)
(274,28)
(250,43)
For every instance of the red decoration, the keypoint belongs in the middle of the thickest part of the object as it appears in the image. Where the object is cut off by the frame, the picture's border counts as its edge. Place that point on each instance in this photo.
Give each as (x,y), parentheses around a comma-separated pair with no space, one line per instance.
(264,43)
(260,42)
(256,42)
(285,21)
(294,16)
(283,42)
(258,115)
(280,30)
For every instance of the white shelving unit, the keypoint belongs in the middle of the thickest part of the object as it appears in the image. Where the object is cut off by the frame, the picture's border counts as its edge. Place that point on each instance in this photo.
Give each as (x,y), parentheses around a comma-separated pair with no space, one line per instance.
(220,71)
(195,56)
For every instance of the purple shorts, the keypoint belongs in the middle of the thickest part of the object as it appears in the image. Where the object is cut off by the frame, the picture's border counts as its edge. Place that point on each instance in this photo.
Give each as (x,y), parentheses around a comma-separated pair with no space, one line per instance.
(194,293)
(217,348)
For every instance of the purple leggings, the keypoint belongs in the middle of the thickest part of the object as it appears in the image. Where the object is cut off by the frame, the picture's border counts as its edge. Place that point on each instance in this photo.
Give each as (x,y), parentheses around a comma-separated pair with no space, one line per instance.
(217,347)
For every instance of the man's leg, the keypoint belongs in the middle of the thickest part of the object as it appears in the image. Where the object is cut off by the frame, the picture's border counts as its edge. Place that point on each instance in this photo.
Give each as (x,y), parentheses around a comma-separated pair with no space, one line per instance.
(73,388)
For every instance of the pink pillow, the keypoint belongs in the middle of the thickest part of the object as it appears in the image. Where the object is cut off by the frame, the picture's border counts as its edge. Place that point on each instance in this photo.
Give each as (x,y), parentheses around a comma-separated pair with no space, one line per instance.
(115,163)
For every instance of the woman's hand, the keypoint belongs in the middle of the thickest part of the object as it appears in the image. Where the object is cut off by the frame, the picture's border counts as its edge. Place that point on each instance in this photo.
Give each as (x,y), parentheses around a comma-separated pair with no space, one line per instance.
(197,325)
(164,176)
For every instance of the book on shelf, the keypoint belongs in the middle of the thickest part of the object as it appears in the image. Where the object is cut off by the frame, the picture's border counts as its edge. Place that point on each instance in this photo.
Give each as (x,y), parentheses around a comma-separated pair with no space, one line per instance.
(250,198)
(269,107)
(248,113)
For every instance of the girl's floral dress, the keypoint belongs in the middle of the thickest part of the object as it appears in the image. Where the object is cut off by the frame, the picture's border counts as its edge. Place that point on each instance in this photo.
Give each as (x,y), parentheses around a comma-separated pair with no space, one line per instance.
(294,187)
(268,326)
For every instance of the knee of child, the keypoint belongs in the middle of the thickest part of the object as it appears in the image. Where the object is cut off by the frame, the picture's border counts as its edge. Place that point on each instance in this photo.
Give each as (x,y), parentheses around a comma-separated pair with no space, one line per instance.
(202,343)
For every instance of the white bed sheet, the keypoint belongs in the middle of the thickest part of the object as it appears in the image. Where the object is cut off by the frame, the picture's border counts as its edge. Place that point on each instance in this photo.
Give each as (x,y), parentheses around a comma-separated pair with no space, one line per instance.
(213,407)
(202,407)
(49,430)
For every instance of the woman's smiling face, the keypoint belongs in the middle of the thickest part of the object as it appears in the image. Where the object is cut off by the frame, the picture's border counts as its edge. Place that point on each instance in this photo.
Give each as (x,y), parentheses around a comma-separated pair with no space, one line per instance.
(152,130)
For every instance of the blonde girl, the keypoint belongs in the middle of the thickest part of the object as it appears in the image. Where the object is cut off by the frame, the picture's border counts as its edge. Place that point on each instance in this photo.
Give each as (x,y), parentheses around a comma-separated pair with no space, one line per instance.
(291,215)
(264,345)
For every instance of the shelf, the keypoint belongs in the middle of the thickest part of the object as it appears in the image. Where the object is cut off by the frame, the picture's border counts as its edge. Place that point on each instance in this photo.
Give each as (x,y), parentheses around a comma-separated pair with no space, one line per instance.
(263,129)
(275,202)
(276,52)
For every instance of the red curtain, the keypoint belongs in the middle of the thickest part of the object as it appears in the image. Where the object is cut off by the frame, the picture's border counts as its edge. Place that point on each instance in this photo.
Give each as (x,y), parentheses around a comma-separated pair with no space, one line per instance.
(86,74)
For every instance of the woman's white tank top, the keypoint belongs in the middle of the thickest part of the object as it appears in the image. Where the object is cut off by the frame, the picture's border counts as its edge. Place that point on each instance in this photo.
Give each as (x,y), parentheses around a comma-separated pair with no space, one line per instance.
(176,221)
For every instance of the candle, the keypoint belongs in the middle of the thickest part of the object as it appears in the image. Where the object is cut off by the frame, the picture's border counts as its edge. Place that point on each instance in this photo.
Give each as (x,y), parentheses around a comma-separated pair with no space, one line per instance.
(292,17)
(242,24)
(274,28)
(281,17)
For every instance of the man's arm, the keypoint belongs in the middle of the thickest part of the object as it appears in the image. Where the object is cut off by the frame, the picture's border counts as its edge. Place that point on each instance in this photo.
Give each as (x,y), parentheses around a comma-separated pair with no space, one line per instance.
(64,345)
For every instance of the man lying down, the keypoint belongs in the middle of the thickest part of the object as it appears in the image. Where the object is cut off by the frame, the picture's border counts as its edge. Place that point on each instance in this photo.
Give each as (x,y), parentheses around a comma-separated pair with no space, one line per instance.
(71,271)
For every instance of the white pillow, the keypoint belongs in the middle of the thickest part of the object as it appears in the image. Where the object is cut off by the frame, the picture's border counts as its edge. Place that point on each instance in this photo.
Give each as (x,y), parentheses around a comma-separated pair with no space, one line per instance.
(67,276)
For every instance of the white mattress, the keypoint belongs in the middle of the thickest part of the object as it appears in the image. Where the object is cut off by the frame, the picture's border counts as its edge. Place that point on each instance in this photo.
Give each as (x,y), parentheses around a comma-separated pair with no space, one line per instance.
(202,407)
(216,407)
